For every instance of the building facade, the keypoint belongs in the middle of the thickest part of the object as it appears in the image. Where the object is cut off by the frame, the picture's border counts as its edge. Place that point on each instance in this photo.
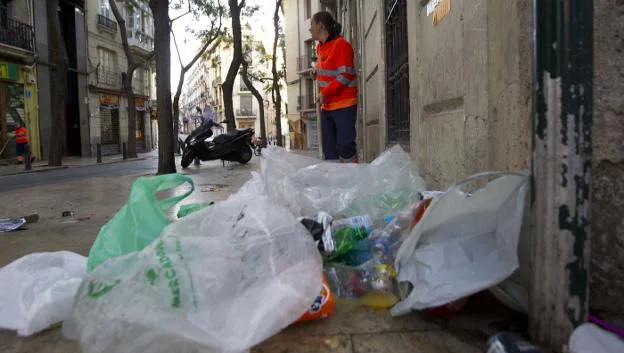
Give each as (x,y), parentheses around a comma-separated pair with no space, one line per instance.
(75,121)
(203,88)
(108,104)
(18,76)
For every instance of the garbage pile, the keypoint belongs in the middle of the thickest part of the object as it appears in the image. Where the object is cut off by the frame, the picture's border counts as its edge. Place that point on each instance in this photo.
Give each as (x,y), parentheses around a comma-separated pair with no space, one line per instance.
(298,236)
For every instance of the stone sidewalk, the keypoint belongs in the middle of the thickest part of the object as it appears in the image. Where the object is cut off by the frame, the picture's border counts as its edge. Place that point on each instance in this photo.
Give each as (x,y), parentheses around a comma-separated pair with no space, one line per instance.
(95,200)
(7,168)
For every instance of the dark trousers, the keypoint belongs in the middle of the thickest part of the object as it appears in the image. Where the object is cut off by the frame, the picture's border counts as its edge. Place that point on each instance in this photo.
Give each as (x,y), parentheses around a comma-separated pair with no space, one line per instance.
(338,129)
(21,149)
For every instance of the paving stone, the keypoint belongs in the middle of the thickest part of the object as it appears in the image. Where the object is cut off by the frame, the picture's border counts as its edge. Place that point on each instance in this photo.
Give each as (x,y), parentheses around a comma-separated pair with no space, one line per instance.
(412,342)
(305,344)
(51,341)
(361,320)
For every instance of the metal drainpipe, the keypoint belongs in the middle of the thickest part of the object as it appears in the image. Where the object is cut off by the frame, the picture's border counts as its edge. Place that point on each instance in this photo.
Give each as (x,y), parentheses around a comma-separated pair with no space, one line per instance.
(562,165)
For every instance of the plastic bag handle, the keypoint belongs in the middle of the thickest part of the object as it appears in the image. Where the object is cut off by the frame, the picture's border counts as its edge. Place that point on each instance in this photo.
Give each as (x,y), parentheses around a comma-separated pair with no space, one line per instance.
(474,177)
(482,175)
(167,182)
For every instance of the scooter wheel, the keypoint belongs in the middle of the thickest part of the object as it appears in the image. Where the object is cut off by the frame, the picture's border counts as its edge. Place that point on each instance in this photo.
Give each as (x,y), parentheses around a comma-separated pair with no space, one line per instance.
(186,160)
(245,156)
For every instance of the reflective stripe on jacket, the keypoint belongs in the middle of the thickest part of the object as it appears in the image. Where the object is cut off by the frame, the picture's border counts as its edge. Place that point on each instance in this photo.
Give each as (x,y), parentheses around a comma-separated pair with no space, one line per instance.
(335,74)
(21,136)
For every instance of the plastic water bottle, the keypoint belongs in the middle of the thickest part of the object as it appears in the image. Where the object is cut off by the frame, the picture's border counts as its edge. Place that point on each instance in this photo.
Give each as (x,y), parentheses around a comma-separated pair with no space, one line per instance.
(358,222)
(506,342)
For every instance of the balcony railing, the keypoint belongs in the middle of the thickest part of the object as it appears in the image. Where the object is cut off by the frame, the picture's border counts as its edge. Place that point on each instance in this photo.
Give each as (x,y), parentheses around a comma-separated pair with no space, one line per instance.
(107,23)
(246,112)
(109,78)
(306,102)
(16,33)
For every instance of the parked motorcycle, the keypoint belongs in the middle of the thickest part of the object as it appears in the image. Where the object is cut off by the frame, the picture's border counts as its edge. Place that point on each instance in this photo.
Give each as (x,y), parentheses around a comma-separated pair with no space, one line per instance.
(234,146)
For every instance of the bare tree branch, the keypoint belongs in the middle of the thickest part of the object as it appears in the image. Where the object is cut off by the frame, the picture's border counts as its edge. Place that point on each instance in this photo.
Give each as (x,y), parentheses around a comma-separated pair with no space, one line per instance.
(190,10)
(214,37)
(175,42)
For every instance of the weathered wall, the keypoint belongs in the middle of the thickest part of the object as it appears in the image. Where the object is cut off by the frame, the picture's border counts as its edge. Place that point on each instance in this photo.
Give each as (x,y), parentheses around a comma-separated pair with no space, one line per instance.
(607,287)
(470,88)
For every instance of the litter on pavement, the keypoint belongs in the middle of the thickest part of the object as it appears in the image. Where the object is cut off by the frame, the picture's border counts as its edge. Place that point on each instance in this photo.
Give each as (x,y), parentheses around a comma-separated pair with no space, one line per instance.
(16,223)
(38,290)
(299,236)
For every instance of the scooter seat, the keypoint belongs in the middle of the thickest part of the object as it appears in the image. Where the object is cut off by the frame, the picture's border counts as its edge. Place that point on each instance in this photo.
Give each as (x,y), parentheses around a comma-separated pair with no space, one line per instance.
(223,138)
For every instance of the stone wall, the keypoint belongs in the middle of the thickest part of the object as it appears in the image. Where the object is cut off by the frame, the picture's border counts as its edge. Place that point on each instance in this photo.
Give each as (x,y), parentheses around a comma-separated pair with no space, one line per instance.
(607,287)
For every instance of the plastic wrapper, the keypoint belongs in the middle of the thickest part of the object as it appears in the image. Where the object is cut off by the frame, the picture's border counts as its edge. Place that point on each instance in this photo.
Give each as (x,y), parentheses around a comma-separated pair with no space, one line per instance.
(463,244)
(307,186)
(37,290)
(220,280)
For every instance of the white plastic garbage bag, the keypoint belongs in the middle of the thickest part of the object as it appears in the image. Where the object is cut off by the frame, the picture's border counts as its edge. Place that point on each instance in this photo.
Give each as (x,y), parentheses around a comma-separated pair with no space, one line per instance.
(222,279)
(463,244)
(307,186)
(252,189)
(589,338)
(37,290)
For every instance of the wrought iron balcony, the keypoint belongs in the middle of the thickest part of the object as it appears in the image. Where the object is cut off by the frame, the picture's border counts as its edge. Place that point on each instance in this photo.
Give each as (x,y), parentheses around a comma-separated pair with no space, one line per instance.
(16,33)
(107,23)
(108,78)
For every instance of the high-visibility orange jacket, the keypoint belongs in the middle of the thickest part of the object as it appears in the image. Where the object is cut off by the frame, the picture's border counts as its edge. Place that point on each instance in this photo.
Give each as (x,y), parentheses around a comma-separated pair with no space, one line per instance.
(21,136)
(335,74)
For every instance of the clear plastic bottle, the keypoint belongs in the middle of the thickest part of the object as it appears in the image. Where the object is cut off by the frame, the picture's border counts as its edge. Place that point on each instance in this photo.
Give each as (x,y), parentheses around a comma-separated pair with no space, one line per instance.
(357,222)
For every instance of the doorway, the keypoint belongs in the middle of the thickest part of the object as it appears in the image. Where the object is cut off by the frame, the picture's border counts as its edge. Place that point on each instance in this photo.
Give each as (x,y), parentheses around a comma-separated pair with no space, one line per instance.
(397,73)
(11,112)
(72,105)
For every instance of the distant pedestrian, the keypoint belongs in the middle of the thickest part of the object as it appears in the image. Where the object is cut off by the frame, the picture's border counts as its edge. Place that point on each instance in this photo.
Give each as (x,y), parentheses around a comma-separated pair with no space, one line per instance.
(337,80)
(22,143)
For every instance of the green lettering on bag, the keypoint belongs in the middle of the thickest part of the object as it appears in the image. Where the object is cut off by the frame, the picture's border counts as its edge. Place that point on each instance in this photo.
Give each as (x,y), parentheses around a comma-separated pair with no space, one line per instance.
(170,274)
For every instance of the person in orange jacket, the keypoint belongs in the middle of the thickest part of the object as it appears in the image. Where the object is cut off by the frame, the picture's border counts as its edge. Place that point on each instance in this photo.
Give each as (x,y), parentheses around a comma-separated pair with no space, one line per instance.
(22,142)
(337,82)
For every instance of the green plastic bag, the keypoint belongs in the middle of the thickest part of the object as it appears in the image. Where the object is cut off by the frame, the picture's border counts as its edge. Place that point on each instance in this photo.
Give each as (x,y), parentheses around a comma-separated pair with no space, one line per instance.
(140,220)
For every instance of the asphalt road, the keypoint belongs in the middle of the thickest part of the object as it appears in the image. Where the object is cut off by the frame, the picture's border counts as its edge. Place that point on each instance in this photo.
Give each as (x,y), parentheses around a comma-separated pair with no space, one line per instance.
(12,182)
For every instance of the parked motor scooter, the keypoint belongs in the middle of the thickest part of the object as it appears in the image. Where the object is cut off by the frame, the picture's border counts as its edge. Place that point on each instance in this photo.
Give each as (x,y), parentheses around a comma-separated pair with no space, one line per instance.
(234,146)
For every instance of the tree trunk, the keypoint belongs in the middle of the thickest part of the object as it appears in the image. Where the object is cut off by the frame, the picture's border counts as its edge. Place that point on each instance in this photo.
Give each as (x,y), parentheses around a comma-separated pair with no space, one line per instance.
(131,150)
(162,47)
(58,85)
(277,95)
(176,111)
(127,82)
(256,93)
(237,58)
